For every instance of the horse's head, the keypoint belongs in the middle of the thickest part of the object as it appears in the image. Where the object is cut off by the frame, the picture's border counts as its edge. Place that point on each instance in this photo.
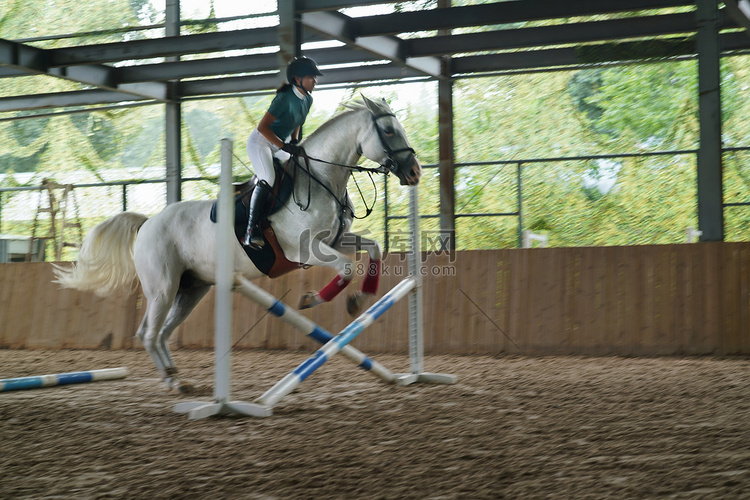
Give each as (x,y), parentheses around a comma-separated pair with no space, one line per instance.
(389,146)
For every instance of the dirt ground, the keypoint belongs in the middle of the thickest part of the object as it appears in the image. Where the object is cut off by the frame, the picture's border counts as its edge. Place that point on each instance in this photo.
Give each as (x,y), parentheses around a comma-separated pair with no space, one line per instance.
(512,427)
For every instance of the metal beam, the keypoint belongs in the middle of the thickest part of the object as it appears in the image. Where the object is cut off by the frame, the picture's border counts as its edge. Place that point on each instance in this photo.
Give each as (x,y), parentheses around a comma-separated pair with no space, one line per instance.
(346,29)
(499,13)
(739,10)
(572,33)
(198,88)
(99,76)
(199,68)
(318,5)
(334,24)
(23,57)
(149,90)
(239,84)
(7,72)
(260,63)
(734,41)
(34,61)
(164,47)
(572,56)
(64,99)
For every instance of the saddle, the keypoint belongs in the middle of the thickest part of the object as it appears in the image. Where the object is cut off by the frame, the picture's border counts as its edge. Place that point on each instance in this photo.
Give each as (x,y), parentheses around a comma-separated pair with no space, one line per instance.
(270,259)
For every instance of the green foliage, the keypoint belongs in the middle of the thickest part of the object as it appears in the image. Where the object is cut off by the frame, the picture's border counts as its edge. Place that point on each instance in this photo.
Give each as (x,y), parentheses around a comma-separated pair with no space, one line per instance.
(26,132)
(638,108)
(649,105)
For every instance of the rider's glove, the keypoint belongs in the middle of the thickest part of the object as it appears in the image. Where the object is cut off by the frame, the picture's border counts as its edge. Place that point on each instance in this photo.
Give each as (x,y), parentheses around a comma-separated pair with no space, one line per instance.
(292,149)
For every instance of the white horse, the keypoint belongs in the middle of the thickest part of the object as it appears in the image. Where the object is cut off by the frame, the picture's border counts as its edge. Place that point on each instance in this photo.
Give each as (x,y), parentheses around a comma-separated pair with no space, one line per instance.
(173,253)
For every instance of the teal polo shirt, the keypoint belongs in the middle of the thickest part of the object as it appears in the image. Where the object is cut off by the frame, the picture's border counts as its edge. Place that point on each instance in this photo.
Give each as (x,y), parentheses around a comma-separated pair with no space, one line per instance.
(290,112)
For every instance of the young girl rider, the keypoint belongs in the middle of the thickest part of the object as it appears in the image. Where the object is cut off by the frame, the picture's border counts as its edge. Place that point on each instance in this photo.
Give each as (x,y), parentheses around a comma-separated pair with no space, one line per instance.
(277,135)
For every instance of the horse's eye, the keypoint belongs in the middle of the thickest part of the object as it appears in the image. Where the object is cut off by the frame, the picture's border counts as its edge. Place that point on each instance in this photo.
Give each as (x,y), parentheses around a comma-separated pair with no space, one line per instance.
(388,130)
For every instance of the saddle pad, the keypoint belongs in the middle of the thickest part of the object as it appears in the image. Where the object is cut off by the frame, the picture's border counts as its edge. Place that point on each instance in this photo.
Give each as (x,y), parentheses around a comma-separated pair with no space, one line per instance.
(264,258)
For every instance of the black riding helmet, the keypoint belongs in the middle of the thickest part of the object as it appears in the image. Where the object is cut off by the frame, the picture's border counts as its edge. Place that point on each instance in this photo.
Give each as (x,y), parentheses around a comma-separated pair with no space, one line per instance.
(301,67)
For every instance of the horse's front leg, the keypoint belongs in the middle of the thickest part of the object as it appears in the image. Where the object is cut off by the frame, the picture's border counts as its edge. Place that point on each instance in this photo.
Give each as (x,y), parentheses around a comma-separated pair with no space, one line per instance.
(324,255)
(357,300)
(320,254)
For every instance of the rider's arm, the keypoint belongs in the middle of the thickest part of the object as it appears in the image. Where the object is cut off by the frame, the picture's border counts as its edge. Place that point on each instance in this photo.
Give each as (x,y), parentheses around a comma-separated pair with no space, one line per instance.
(264,127)
(295,134)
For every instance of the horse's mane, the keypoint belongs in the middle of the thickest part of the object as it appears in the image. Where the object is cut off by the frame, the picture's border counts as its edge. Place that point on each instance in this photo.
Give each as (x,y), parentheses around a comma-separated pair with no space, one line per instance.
(351,108)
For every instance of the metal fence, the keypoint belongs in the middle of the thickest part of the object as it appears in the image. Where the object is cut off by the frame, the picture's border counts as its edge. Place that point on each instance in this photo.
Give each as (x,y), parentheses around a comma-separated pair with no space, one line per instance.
(99,200)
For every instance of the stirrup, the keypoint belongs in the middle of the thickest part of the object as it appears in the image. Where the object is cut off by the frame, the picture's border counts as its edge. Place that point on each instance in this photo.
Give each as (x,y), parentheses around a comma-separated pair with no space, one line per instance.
(254,239)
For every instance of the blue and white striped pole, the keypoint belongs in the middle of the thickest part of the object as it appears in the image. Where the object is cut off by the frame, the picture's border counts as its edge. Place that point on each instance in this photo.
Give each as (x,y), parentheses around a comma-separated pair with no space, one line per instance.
(23,383)
(337,343)
(308,327)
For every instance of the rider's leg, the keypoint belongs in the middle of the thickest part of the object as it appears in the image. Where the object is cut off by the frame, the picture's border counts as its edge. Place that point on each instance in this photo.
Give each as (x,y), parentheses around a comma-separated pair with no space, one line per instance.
(260,151)
(256,209)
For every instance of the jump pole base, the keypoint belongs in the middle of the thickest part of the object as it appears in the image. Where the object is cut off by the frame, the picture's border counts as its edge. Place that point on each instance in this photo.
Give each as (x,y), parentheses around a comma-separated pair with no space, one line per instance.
(197,410)
(426,377)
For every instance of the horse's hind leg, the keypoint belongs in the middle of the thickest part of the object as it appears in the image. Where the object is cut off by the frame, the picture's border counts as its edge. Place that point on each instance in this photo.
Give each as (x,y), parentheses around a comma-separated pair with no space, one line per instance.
(153,319)
(184,303)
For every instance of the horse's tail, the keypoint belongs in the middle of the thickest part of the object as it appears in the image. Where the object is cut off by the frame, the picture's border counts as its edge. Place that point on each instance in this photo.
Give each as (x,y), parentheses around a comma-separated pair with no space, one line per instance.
(105,261)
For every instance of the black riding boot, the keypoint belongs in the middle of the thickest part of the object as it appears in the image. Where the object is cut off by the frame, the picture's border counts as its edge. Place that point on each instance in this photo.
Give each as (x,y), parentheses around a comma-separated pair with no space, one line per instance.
(255,210)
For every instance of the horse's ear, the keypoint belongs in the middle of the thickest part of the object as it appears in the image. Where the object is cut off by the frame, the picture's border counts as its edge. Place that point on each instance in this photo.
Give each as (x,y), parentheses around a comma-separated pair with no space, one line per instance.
(376,107)
(373,107)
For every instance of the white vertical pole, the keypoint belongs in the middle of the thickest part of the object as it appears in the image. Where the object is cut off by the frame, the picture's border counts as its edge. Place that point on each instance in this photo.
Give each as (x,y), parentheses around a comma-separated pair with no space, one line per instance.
(224,281)
(416,318)
(225,246)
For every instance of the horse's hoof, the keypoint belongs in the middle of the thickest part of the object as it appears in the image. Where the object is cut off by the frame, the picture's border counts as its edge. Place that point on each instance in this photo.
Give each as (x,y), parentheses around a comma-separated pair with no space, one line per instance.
(354,303)
(177,386)
(308,300)
(186,387)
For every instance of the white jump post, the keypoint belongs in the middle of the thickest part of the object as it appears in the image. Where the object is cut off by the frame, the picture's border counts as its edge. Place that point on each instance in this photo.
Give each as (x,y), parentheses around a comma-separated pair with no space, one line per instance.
(222,405)
(416,313)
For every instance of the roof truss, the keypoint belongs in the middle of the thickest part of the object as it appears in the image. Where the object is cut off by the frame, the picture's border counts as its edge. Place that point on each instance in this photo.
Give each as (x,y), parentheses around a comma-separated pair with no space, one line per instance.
(375,48)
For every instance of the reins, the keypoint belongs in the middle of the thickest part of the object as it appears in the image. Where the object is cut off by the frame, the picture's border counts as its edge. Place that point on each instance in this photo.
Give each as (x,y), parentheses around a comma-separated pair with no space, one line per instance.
(388,167)
(306,168)
(385,169)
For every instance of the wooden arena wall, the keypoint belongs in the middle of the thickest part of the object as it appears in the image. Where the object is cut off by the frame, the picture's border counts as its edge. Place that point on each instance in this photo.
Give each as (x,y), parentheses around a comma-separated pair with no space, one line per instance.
(639,300)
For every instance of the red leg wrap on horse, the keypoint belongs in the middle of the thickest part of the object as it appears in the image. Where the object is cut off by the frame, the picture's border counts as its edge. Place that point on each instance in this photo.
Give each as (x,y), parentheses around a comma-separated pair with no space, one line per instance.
(333,288)
(370,284)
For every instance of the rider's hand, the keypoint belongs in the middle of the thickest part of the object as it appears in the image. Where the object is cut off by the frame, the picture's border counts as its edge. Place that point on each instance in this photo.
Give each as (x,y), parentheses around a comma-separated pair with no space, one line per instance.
(292,149)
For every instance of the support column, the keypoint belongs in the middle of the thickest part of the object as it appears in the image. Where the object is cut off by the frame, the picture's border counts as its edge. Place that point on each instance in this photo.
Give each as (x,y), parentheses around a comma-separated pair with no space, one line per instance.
(446,164)
(173,116)
(290,33)
(710,191)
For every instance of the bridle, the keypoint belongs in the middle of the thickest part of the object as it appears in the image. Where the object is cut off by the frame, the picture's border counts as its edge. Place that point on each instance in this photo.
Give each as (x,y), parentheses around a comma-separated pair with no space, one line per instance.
(390,153)
(390,165)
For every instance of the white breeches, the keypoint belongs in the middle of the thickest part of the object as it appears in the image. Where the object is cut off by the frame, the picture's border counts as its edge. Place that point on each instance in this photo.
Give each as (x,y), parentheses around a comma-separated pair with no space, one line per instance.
(261,152)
